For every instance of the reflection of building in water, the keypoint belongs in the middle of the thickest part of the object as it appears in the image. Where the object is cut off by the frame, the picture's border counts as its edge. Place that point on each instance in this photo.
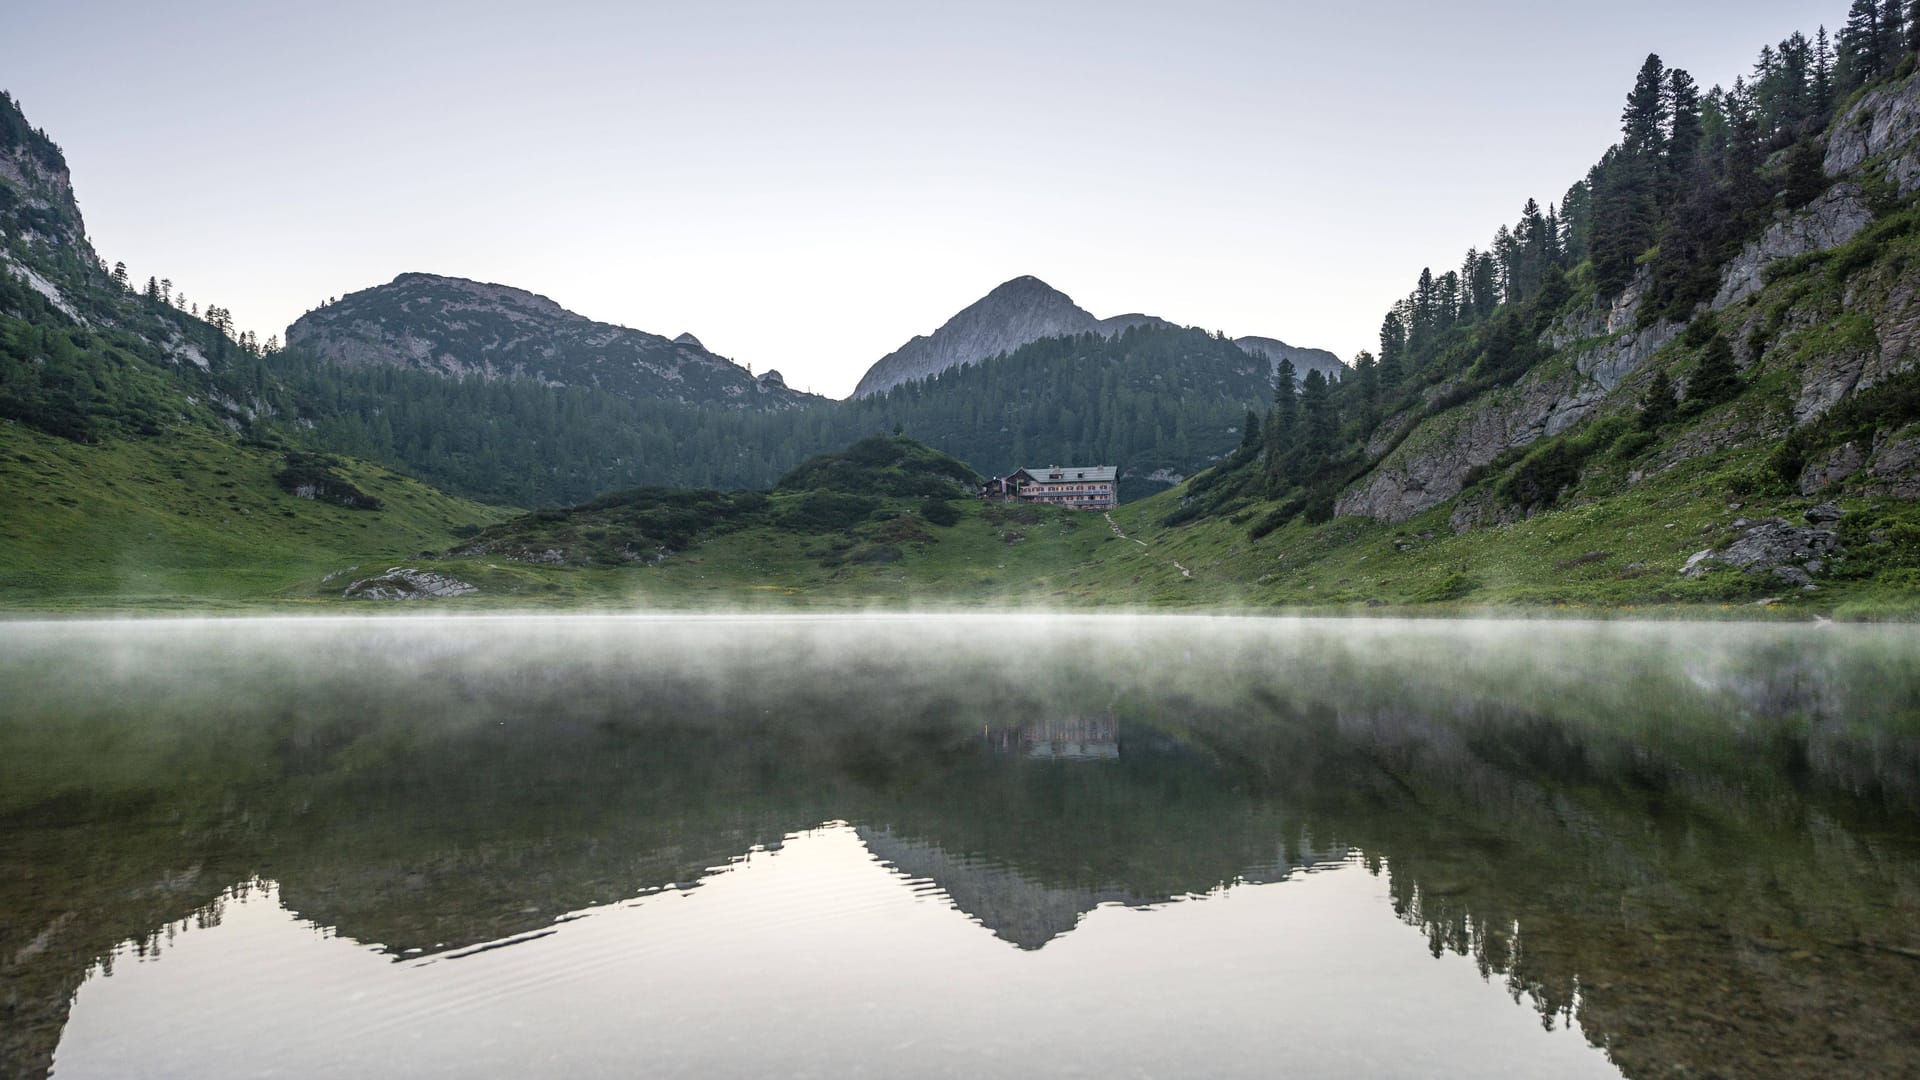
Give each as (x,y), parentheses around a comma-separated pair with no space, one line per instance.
(1080,737)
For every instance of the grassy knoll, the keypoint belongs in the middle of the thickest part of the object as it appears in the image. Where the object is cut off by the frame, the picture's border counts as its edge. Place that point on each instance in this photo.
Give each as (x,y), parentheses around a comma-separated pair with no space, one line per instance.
(192,520)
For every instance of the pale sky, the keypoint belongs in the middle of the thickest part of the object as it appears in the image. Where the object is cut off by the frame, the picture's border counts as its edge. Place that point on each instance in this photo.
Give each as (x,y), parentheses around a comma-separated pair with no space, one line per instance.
(807,185)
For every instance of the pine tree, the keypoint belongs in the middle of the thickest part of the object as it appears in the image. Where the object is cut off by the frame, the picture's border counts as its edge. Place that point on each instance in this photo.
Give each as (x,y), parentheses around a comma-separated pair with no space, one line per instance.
(1319,427)
(120,275)
(153,288)
(1684,130)
(1393,347)
(1715,378)
(1893,33)
(1657,405)
(1644,119)
(1823,72)
(1366,387)
(1282,423)
(1860,43)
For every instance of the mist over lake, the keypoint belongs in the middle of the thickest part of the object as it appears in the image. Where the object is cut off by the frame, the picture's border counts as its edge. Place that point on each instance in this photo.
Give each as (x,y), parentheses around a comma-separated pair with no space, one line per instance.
(957,845)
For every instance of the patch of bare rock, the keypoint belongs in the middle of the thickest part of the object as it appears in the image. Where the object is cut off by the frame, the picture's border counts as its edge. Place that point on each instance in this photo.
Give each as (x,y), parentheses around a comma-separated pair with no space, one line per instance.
(407,583)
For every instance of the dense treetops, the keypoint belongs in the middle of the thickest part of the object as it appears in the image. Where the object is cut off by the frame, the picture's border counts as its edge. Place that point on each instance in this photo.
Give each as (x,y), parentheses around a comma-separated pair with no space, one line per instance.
(1148,399)
(878,479)
(884,465)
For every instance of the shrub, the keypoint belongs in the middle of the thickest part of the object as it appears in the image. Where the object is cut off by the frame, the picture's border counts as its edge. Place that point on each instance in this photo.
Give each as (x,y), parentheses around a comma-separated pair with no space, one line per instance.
(824,511)
(939,512)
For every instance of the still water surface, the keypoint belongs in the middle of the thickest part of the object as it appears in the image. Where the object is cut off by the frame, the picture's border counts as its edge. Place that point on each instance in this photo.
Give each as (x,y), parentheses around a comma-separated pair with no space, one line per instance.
(925,845)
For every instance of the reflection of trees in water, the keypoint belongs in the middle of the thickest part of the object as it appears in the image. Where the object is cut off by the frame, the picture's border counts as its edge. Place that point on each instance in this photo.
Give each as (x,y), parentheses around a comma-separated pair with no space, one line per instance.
(1703,853)
(1720,903)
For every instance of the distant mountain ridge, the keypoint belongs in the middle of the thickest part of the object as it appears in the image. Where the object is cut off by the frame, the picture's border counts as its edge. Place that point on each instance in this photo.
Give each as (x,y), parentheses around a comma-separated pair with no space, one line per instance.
(1025,310)
(455,326)
(1015,313)
(1304,360)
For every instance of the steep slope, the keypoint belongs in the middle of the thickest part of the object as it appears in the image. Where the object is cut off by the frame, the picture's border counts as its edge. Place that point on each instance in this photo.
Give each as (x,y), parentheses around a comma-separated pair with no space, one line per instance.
(1015,313)
(136,463)
(1739,421)
(1805,310)
(457,327)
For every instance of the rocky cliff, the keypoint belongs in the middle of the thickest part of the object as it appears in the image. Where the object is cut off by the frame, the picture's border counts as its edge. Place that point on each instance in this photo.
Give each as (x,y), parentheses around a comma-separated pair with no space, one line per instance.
(37,206)
(469,328)
(1828,332)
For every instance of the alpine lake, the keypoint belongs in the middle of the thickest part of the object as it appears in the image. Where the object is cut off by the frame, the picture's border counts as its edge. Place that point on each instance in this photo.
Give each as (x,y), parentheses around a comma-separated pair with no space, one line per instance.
(958,845)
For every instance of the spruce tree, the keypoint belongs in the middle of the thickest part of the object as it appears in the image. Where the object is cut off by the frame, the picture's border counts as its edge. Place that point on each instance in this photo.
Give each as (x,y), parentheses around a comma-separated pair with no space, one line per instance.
(1823,72)
(1684,129)
(1393,346)
(1282,423)
(1715,378)
(1893,33)
(1657,405)
(1286,401)
(1860,43)
(1644,119)
(1319,426)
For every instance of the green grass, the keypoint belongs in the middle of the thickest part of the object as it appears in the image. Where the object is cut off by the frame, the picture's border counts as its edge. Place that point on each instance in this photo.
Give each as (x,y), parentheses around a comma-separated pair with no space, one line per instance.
(198,523)
(191,520)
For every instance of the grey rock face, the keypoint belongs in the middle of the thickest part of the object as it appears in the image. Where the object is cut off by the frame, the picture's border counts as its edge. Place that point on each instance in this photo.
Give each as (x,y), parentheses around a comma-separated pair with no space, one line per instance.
(1829,221)
(1773,547)
(44,213)
(1846,370)
(406,583)
(1431,466)
(1895,469)
(1843,461)
(458,327)
(1884,124)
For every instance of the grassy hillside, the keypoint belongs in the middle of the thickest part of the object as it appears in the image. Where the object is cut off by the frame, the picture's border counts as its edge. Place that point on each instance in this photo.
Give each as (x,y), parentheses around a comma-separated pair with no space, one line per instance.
(192,519)
(203,522)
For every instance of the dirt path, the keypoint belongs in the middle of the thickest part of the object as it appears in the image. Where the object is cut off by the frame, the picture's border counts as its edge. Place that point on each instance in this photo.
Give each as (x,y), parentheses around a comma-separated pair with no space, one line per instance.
(1115,526)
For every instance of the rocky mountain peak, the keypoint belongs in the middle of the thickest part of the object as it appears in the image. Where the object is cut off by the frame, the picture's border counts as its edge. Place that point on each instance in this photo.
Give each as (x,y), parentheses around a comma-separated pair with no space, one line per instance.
(1015,313)
(463,328)
(1029,288)
(1024,310)
(456,292)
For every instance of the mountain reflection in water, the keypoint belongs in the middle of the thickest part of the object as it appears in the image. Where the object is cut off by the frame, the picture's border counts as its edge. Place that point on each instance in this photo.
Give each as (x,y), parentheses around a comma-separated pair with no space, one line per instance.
(1694,845)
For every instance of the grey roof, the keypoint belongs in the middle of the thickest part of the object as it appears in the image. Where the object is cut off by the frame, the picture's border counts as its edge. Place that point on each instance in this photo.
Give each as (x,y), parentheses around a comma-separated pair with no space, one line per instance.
(1073,474)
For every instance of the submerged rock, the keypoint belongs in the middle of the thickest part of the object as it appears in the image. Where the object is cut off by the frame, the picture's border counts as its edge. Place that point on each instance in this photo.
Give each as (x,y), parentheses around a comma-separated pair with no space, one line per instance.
(406,583)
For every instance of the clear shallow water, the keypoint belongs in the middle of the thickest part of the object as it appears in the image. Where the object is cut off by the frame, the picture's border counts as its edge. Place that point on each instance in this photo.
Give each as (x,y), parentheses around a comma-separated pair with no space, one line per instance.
(957,846)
